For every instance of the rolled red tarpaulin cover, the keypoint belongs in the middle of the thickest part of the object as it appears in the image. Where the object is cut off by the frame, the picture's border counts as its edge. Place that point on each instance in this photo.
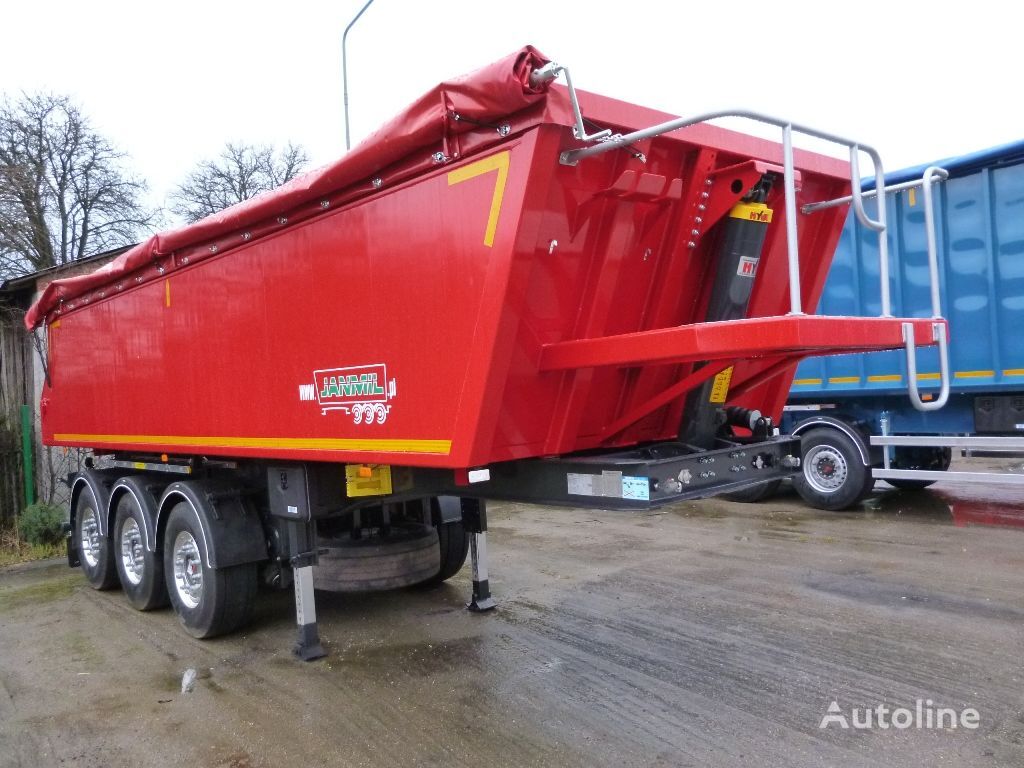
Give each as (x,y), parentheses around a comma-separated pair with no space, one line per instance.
(483,96)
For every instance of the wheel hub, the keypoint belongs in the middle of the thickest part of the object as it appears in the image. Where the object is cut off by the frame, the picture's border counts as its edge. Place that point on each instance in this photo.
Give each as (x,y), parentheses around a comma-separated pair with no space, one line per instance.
(89,537)
(825,469)
(188,570)
(132,555)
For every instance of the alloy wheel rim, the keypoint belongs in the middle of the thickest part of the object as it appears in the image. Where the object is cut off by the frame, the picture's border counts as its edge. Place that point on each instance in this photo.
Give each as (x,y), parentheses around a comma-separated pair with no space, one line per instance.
(825,469)
(188,570)
(132,552)
(89,537)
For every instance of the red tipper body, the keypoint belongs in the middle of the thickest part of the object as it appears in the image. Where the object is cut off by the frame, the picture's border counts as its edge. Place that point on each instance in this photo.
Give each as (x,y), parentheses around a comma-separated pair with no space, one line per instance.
(448,295)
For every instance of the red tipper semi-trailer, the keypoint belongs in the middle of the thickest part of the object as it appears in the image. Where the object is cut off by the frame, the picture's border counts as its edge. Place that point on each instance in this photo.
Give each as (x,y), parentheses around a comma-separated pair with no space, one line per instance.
(513,290)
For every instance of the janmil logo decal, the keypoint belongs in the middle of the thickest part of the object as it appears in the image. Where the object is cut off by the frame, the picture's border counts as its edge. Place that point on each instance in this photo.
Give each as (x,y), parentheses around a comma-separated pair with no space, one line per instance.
(364,391)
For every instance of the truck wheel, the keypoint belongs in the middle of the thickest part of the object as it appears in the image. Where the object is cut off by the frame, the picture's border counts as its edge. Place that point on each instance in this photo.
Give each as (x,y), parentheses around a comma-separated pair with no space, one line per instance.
(407,556)
(454,548)
(141,571)
(755,493)
(95,552)
(208,601)
(832,474)
(935,459)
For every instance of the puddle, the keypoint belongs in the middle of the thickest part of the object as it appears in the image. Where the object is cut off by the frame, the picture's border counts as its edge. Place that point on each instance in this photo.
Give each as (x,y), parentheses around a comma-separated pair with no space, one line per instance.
(903,597)
(1001,507)
(424,659)
(961,507)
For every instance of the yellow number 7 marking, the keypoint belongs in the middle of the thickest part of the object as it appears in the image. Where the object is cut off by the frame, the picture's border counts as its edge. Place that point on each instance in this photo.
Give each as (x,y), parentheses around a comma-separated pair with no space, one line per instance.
(497,162)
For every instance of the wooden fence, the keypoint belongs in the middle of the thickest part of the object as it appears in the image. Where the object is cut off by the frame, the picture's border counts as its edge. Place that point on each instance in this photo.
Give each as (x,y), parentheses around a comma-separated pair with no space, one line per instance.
(12,487)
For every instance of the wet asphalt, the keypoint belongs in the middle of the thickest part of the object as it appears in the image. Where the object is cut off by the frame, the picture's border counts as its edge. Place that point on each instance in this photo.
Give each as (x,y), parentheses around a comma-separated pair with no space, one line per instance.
(703,634)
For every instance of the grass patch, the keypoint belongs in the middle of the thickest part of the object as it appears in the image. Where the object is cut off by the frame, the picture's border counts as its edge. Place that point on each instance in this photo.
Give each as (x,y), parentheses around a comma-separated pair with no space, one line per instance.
(82,649)
(36,594)
(14,550)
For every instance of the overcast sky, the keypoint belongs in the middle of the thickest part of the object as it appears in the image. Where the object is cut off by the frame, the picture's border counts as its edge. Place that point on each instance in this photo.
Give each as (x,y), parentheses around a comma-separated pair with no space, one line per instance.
(169,83)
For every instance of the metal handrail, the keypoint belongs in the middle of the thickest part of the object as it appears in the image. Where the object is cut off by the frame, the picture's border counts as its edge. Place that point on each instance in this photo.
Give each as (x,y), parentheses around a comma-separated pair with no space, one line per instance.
(931,175)
(551,71)
(941,174)
(607,143)
(939,334)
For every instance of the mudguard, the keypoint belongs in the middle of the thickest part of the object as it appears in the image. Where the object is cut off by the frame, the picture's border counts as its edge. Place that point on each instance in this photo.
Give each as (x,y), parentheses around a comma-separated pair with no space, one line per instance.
(450,509)
(845,427)
(100,482)
(147,495)
(232,533)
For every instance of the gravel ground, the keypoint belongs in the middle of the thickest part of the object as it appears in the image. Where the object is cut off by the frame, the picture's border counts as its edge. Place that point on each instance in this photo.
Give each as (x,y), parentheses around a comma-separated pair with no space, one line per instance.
(705,634)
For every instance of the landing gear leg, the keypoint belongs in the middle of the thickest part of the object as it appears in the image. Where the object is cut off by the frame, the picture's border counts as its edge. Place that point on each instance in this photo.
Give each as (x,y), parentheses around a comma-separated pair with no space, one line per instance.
(474,520)
(302,543)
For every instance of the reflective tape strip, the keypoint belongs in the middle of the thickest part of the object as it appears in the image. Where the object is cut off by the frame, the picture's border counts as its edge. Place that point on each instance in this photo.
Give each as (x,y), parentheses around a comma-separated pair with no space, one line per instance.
(280,443)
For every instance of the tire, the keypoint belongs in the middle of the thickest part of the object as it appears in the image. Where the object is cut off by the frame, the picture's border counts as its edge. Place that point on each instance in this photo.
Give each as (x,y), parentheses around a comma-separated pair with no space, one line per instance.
(141,572)
(408,555)
(935,459)
(94,550)
(755,493)
(910,485)
(454,548)
(832,475)
(218,601)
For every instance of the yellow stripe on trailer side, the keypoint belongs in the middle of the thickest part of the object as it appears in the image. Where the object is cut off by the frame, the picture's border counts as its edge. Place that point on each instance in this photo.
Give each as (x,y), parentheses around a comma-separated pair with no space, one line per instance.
(973,374)
(279,443)
(496,162)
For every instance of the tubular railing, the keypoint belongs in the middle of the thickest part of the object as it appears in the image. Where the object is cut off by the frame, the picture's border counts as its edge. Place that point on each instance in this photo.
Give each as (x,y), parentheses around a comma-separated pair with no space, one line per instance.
(606,141)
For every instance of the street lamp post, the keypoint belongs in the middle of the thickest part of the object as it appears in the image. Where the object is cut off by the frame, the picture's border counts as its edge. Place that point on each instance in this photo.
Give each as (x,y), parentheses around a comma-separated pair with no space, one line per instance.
(344,69)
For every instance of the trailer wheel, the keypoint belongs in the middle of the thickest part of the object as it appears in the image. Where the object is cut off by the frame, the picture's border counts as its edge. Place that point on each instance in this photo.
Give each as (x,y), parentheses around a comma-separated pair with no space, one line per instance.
(408,555)
(454,549)
(832,474)
(755,493)
(141,572)
(96,554)
(935,459)
(208,601)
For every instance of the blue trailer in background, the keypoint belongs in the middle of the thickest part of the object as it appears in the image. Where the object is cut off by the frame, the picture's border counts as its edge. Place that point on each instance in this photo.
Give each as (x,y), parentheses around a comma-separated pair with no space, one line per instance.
(852,411)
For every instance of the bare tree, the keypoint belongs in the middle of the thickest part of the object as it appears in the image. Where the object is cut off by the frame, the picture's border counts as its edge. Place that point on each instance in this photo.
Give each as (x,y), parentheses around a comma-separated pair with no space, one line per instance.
(240,172)
(64,192)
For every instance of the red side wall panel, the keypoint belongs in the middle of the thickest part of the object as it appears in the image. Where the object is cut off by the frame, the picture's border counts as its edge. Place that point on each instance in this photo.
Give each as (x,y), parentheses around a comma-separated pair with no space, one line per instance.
(407,327)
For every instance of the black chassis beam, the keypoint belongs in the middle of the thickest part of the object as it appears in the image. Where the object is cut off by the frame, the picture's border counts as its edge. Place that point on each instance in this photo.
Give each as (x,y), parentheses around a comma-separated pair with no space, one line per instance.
(644,477)
(641,478)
